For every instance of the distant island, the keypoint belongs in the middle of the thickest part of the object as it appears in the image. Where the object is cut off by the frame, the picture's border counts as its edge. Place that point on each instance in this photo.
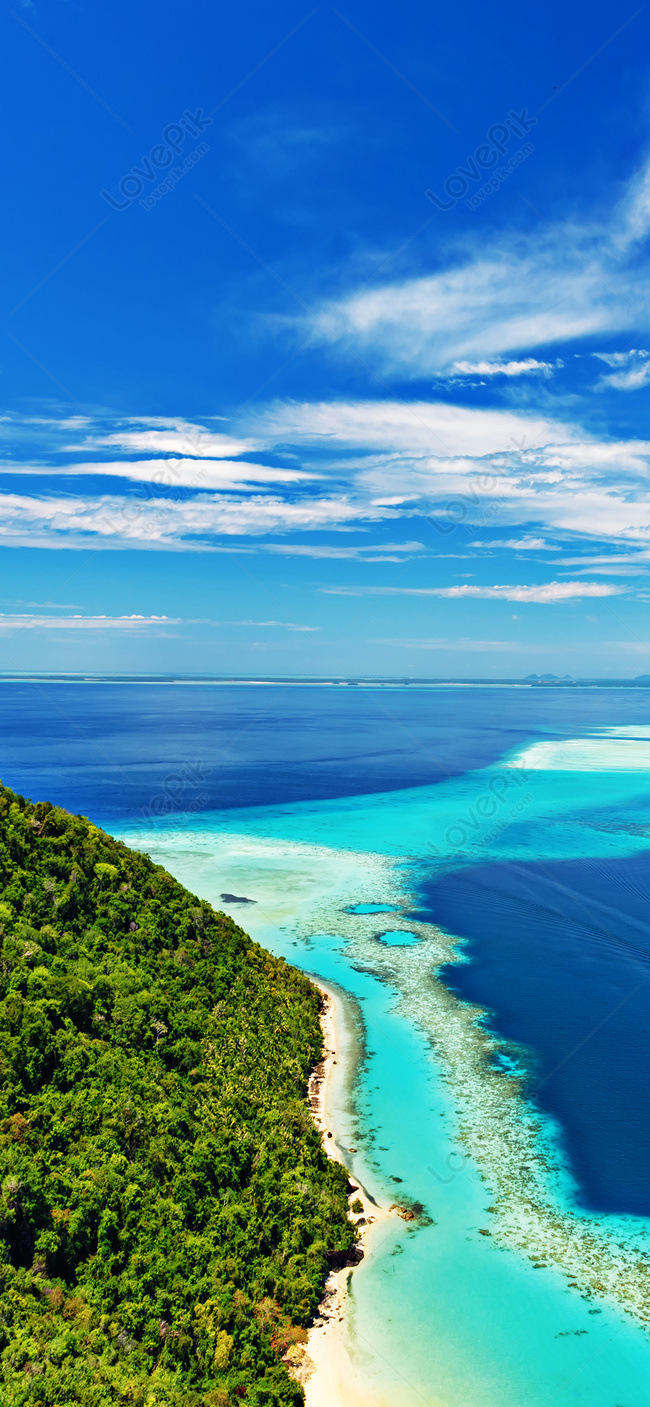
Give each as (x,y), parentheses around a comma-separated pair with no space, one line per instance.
(639,679)
(168,1213)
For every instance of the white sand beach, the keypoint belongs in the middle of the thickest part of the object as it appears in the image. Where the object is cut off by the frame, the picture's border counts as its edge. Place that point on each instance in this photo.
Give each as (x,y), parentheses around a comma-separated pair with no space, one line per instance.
(324,1366)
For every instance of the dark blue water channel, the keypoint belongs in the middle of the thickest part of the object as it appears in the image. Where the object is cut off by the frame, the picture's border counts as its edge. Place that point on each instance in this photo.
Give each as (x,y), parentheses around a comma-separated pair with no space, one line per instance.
(559,953)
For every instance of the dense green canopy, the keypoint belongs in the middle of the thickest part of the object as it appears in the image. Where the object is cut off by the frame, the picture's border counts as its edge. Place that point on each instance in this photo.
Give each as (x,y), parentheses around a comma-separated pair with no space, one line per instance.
(166,1206)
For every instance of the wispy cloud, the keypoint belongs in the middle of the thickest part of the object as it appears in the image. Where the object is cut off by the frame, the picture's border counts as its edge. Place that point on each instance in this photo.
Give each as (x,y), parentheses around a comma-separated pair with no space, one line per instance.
(490,312)
(161,522)
(353,465)
(524,292)
(611,568)
(609,559)
(166,435)
(550,593)
(25,621)
(520,544)
(483,466)
(511,368)
(51,605)
(633,379)
(369,552)
(173,473)
(416,427)
(620,358)
(494,303)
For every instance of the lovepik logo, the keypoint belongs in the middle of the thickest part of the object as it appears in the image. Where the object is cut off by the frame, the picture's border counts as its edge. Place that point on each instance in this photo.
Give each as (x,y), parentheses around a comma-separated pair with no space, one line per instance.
(160,156)
(483,158)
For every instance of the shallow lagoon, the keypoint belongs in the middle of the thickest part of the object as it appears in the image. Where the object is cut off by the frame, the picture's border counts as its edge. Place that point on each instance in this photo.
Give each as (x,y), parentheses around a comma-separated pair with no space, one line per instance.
(450,1313)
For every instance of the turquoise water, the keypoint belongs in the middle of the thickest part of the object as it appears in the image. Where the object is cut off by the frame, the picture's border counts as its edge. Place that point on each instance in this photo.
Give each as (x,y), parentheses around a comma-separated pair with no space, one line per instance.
(529,1314)
(398,938)
(372,909)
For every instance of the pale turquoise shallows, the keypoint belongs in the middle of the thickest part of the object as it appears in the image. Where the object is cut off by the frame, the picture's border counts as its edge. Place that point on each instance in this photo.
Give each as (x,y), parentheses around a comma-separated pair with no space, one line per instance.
(440,1315)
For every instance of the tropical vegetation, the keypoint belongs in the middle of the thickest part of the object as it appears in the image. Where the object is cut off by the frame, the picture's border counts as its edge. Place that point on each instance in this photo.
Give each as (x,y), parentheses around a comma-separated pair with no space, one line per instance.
(167,1211)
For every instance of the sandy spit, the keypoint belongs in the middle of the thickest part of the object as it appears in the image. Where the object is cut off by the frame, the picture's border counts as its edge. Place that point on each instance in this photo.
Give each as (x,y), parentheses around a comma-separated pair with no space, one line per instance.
(324,1366)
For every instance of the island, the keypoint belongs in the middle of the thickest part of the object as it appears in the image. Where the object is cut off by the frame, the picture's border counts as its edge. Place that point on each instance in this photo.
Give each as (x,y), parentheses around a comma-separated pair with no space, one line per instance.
(168,1211)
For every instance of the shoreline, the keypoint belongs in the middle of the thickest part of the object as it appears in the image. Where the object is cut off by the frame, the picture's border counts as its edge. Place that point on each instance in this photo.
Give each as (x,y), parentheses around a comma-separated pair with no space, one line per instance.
(319,906)
(323,1366)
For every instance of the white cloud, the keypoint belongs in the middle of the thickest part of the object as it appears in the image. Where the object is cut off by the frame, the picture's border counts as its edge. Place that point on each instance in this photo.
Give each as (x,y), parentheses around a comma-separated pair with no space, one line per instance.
(281,624)
(631,380)
(609,458)
(548,594)
(609,559)
(174,473)
(491,304)
(454,466)
(358,463)
(521,544)
(634,212)
(637,375)
(491,311)
(524,292)
(24,621)
(21,621)
(475,468)
(167,435)
(611,568)
(512,368)
(417,427)
(366,552)
(163,522)
(620,358)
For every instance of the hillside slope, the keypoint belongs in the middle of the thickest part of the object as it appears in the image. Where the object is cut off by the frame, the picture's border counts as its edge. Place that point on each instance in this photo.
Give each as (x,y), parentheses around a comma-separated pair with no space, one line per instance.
(166,1205)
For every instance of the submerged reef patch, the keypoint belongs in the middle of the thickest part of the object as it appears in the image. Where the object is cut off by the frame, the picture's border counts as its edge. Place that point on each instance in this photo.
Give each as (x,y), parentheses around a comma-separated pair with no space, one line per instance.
(501,1135)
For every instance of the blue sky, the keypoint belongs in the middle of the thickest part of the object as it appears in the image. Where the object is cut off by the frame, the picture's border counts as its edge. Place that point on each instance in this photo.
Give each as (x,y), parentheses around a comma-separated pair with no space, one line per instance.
(327,339)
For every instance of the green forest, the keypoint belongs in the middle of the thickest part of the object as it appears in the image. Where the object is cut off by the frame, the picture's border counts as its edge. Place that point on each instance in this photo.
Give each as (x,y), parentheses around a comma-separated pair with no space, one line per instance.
(168,1212)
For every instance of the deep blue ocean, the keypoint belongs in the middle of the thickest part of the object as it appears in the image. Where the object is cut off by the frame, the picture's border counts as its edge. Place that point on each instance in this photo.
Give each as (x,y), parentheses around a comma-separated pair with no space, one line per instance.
(111,747)
(558,950)
(560,955)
